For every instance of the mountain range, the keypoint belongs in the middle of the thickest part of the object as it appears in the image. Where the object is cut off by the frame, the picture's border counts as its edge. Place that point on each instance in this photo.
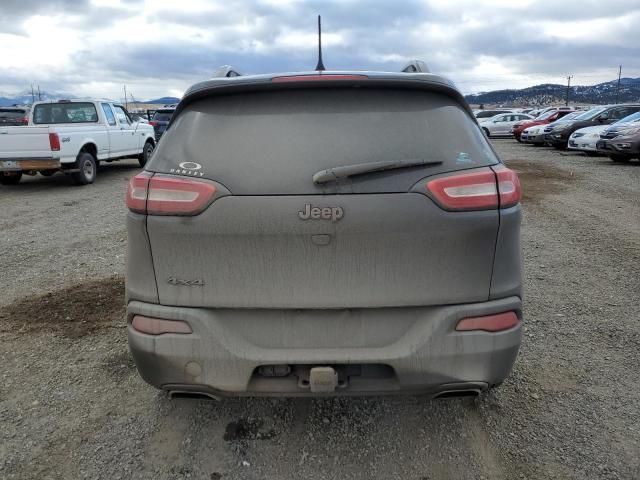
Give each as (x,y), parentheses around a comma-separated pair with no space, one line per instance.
(545,94)
(25,98)
(549,93)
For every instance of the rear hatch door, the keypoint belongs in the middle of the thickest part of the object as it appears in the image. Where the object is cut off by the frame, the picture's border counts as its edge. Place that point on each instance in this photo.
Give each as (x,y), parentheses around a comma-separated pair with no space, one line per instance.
(280,240)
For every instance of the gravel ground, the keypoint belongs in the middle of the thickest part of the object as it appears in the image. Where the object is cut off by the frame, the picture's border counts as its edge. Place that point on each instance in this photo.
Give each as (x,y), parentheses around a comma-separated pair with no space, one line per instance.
(72,405)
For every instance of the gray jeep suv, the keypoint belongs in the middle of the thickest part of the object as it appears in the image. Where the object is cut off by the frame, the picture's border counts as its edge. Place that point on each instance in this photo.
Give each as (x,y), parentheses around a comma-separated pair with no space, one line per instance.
(334,233)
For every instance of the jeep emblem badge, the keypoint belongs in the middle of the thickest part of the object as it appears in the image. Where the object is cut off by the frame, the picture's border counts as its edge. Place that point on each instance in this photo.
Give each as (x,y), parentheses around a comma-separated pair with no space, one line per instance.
(321,213)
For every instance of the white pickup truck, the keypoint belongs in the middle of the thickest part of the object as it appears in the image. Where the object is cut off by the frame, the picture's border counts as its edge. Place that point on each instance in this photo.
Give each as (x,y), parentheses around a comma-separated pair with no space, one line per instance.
(72,137)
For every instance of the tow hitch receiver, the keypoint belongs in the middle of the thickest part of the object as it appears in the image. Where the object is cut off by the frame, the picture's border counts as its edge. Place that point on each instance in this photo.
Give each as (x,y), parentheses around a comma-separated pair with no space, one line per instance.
(323,379)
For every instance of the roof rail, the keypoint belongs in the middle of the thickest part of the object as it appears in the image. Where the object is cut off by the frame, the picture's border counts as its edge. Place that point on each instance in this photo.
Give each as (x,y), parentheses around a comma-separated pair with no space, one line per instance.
(226,71)
(416,66)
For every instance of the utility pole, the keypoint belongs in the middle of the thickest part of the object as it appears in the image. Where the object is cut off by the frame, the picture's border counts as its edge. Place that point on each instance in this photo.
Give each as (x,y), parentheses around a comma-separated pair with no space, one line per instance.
(569,77)
(39,96)
(125,98)
(33,96)
(618,89)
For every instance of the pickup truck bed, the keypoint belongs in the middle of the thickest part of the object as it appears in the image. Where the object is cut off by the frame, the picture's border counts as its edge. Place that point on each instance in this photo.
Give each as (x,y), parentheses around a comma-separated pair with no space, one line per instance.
(26,148)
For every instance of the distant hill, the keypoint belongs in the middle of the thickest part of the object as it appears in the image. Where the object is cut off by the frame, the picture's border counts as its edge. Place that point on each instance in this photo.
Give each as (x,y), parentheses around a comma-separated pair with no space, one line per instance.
(550,93)
(25,98)
(163,101)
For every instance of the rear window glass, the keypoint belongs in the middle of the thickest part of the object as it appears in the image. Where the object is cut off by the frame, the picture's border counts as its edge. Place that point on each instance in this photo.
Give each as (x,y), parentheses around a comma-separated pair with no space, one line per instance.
(162,116)
(273,142)
(65,113)
(13,114)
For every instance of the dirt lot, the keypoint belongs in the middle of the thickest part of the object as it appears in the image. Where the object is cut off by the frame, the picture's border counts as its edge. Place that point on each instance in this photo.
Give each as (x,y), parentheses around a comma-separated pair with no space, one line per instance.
(72,405)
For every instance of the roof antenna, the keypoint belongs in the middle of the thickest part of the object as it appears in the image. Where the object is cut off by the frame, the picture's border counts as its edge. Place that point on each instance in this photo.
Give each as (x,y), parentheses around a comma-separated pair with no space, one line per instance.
(320,65)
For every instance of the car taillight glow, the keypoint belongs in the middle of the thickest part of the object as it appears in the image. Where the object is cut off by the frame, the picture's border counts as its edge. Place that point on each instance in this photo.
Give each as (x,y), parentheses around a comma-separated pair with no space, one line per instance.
(158,326)
(24,120)
(54,142)
(308,78)
(153,123)
(482,189)
(488,323)
(165,195)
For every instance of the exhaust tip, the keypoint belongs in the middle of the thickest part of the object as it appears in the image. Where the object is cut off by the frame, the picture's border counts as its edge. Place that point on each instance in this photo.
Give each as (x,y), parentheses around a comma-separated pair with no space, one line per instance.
(471,393)
(177,394)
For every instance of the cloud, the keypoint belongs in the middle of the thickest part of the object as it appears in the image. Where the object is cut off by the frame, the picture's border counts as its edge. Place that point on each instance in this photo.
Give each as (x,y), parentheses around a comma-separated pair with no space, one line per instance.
(93,47)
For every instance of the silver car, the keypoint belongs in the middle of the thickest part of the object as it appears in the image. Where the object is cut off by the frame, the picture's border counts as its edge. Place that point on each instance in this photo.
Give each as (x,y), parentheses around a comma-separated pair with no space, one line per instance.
(324,234)
(502,124)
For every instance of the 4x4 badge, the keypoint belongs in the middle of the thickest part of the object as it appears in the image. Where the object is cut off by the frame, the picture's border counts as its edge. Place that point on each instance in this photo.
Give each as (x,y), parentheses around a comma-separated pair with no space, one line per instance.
(185,283)
(321,213)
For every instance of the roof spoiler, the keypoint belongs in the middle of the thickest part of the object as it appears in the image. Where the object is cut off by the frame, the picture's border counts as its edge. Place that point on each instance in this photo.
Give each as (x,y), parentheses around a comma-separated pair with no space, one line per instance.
(226,71)
(416,66)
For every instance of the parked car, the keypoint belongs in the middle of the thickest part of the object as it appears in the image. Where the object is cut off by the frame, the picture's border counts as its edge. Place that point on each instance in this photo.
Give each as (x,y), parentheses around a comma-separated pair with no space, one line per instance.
(72,137)
(533,135)
(586,139)
(604,115)
(549,116)
(486,114)
(14,116)
(367,253)
(620,141)
(160,120)
(502,124)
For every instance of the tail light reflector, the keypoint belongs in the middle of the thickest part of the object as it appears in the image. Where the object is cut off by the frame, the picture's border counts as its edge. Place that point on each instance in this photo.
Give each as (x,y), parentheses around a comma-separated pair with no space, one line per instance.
(482,189)
(154,123)
(165,195)
(508,187)
(54,142)
(466,191)
(158,326)
(24,121)
(488,323)
(308,78)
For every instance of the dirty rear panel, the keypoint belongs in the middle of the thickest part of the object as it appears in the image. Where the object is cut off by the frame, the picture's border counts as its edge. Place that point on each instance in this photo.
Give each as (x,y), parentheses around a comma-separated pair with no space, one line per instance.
(262,246)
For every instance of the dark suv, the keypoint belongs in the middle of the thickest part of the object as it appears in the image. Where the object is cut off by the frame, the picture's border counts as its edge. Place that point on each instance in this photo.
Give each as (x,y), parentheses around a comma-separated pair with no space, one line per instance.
(160,120)
(14,116)
(324,233)
(559,136)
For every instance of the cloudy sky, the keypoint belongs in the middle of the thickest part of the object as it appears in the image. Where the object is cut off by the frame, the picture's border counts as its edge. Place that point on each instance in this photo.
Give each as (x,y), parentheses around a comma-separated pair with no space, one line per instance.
(160,47)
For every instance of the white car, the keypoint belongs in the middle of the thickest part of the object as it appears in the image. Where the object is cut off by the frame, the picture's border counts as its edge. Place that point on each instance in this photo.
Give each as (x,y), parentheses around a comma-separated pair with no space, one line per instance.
(534,134)
(72,137)
(502,123)
(585,139)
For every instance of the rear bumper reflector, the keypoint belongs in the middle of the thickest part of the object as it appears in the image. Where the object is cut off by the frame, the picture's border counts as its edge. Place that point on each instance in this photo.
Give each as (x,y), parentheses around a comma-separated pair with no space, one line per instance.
(488,323)
(158,326)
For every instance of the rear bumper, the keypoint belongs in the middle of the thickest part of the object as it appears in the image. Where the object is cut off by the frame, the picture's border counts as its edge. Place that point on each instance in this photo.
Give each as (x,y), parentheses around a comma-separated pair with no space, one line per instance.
(22,164)
(379,350)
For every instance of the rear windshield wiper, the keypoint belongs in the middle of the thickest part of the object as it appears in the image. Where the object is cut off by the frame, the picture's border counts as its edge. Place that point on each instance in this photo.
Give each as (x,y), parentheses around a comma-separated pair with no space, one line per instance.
(336,173)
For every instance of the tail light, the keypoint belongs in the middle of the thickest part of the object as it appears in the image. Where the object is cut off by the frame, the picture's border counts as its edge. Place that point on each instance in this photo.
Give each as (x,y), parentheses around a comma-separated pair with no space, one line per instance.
(488,323)
(24,121)
(153,123)
(54,142)
(158,326)
(165,195)
(483,189)
(308,78)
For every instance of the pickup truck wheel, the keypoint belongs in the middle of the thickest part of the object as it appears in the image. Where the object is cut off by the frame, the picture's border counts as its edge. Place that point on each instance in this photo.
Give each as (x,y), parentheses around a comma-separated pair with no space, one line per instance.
(10,179)
(87,165)
(144,157)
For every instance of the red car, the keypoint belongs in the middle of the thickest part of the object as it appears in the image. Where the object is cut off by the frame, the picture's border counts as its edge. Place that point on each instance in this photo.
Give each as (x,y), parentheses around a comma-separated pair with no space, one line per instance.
(547,117)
